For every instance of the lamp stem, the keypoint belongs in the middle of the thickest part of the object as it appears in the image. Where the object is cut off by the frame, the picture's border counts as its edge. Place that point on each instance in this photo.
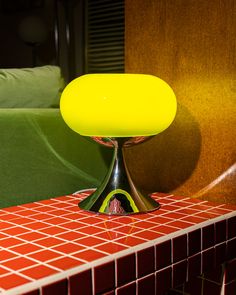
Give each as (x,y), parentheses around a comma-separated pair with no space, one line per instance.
(117,194)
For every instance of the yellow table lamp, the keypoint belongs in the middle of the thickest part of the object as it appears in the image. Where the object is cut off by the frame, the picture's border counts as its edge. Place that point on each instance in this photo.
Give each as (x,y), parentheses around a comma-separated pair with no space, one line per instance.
(118,110)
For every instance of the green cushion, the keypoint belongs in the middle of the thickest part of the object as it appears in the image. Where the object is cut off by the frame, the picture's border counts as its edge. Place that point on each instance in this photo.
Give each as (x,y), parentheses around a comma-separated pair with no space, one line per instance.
(38,87)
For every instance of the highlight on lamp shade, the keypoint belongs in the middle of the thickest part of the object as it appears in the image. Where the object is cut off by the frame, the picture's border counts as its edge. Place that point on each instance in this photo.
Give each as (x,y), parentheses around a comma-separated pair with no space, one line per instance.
(118,105)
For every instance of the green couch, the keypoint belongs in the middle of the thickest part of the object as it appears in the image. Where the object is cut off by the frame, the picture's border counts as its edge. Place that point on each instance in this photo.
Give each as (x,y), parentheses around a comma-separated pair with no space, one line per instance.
(40,156)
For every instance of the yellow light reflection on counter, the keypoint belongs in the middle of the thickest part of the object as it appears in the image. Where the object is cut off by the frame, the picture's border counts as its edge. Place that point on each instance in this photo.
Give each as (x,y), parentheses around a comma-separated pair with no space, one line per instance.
(118,105)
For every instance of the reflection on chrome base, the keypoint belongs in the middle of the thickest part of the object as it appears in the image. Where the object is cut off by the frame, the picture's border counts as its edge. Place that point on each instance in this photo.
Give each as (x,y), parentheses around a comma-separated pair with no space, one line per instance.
(117,194)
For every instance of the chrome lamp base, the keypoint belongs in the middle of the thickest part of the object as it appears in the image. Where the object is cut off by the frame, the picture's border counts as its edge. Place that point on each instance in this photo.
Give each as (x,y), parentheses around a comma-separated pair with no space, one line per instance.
(117,194)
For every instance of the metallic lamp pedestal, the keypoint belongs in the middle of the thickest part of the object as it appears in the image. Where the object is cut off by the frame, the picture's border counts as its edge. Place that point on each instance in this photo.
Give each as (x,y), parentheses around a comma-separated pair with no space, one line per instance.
(117,194)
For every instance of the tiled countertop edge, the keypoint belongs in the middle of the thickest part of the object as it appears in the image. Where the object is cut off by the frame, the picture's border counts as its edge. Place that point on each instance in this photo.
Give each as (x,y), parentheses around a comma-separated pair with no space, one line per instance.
(37,284)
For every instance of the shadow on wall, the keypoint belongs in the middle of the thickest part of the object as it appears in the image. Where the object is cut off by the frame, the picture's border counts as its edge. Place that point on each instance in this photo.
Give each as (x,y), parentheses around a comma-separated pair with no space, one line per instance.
(167,160)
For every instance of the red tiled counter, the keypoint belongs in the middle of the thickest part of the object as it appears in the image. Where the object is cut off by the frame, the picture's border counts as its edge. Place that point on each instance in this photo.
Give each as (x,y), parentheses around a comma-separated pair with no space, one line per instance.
(53,247)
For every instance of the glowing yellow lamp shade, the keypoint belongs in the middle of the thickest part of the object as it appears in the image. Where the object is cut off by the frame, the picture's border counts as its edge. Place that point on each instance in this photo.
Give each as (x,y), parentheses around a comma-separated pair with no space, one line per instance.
(118,105)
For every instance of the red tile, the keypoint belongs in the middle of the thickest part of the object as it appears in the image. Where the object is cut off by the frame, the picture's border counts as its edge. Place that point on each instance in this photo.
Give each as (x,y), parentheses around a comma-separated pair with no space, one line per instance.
(208,259)
(145,261)
(48,202)
(220,231)
(164,280)
(39,271)
(73,225)
(218,211)
(187,211)
(60,287)
(52,230)
(65,263)
(128,229)
(14,231)
(104,277)
(220,251)
(174,215)
(39,208)
(174,197)
(130,241)
(206,215)
(4,255)
(22,220)
(194,242)
(110,235)
(166,201)
(208,236)
(8,216)
(3,271)
(148,235)
(194,201)
(18,263)
(110,247)
(65,198)
(145,224)
(160,219)
(12,280)
(37,225)
(126,269)
(125,220)
(62,205)
(90,230)
(70,235)
(129,289)
(50,242)
(86,220)
(179,273)
(89,241)
(146,285)
(81,283)
(230,250)
(3,236)
(180,224)
(231,227)
(57,220)
(26,212)
(68,248)
(89,255)
(44,255)
(5,225)
(194,266)
(31,205)
(32,236)
(165,229)
(9,242)
(170,207)
(163,254)
(179,248)
(109,224)
(182,204)
(193,219)
(201,207)
(26,248)
(58,212)
(230,207)
(12,209)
